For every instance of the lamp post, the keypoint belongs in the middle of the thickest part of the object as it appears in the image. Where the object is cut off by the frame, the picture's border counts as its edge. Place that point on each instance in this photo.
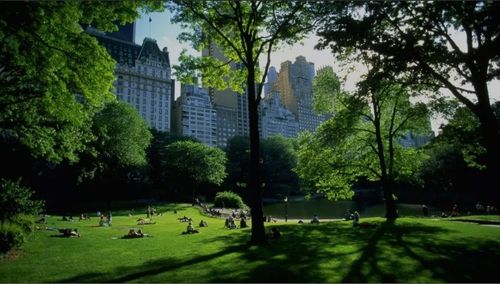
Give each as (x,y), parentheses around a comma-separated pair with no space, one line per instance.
(286,208)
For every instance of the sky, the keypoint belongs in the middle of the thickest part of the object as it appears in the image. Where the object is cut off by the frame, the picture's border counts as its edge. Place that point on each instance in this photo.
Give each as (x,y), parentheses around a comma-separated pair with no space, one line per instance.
(165,33)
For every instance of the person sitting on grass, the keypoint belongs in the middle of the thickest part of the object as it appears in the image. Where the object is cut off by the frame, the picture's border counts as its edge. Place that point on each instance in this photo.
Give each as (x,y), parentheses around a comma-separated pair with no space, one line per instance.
(315,220)
(355,219)
(203,223)
(133,234)
(190,229)
(230,223)
(243,223)
(274,233)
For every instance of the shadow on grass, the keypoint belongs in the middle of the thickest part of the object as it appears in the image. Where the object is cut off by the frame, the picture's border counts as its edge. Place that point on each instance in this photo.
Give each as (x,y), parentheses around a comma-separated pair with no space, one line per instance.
(397,253)
(331,252)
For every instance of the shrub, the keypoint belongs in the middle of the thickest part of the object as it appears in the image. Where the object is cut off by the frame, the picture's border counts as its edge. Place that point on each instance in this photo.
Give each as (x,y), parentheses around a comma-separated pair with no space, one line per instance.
(16,199)
(11,235)
(25,222)
(229,199)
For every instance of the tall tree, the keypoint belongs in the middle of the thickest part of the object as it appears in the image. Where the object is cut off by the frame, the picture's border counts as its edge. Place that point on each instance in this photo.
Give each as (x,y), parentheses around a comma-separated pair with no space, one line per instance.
(54,76)
(452,45)
(156,154)
(456,162)
(195,163)
(361,139)
(122,137)
(244,31)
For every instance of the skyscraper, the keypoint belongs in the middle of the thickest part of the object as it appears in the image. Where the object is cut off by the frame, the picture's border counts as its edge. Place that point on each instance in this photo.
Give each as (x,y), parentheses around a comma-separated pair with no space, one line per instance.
(272,75)
(194,116)
(294,83)
(231,107)
(142,75)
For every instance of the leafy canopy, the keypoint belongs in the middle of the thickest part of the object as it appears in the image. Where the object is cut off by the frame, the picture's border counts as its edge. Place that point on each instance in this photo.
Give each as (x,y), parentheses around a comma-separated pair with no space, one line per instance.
(195,161)
(361,139)
(241,32)
(54,76)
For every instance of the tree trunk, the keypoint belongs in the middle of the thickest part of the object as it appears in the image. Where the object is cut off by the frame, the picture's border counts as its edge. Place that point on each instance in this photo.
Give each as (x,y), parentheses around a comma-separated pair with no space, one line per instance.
(390,205)
(491,141)
(254,181)
(391,212)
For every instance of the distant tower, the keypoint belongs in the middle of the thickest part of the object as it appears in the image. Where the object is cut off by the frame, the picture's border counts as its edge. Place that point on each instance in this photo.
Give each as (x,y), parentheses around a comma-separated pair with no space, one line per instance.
(194,115)
(231,107)
(294,83)
(272,75)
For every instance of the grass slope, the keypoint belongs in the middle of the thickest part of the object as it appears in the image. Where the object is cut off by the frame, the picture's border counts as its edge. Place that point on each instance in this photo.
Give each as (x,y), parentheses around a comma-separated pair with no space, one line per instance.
(411,250)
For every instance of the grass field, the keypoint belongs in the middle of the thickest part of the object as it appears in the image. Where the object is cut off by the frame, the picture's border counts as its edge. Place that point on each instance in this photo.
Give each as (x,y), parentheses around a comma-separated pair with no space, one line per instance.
(411,250)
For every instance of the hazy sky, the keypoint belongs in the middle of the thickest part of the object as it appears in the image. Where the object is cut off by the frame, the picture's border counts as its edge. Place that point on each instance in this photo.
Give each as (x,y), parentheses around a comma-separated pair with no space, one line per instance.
(166,33)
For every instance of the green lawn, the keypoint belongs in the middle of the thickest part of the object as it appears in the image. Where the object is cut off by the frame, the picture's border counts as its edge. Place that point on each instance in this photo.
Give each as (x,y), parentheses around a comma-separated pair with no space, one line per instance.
(411,250)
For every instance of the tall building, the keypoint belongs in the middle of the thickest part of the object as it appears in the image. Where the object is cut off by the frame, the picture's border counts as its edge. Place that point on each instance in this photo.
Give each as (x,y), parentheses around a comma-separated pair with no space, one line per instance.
(275,119)
(294,83)
(272,75)
(194,116)
(231,107)
(142,75)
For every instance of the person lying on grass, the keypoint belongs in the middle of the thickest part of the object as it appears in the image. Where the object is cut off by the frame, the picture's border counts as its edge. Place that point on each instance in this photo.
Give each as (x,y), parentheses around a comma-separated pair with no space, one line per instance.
(69,232)
(185,219)
(133,234)
(142,221)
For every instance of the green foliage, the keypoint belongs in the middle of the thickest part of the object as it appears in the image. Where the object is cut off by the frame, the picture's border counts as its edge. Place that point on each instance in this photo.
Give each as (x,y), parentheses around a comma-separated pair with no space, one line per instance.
(362,140)
(325,85)
(122,134)
(238,160)
(242,30)
(156,153)
(16,199)
(121,140)
(279,158)
(228,199)
(55,75)
(418,43)
(11,235)
(196,162)
(456,156)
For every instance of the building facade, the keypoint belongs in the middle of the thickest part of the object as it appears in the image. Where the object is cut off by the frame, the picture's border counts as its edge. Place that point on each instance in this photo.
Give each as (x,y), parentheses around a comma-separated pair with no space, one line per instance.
(142,76)
(294,83)
(231,107)
(193,115)
(275,119)
(272,75)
